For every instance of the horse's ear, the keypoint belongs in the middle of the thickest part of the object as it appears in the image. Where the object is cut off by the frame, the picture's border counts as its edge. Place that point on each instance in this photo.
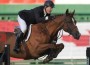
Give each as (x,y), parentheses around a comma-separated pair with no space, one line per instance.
(67,11)
(73,12)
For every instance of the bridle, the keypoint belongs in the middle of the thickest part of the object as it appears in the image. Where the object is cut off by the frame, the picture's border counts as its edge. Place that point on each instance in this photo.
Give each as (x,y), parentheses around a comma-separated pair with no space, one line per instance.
(68,30)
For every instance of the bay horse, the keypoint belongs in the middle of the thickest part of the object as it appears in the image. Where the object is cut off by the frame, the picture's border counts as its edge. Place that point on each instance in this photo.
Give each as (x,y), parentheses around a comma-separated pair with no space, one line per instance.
(40,42)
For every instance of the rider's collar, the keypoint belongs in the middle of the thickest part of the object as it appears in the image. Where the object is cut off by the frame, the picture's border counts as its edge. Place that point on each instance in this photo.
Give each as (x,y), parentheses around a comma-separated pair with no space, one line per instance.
(45,13)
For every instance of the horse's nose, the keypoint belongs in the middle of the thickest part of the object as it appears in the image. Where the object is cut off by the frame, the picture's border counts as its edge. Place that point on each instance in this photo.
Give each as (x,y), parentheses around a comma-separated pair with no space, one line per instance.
(78,35)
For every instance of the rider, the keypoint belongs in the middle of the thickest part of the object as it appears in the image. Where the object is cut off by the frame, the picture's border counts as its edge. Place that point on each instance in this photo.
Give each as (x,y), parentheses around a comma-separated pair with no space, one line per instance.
(33,16)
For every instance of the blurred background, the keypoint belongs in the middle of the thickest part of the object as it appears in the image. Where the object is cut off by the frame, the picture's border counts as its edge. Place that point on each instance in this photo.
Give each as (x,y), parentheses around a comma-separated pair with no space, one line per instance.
(74,52)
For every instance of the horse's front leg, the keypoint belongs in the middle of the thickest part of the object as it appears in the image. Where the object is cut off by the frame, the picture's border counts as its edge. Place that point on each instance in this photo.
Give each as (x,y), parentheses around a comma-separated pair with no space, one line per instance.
(43,49)
(59,48)
(54,53)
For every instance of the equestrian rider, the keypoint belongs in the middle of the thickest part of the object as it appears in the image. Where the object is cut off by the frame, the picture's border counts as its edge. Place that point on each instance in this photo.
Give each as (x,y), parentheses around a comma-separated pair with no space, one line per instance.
(33,16)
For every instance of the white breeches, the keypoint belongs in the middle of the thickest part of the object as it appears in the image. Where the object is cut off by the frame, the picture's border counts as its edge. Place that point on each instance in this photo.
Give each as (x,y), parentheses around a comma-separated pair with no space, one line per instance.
(22,24)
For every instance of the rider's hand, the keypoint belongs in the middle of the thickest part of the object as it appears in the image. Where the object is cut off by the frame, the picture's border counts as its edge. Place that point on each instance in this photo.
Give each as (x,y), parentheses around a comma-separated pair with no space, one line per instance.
(46,18)
(51,17)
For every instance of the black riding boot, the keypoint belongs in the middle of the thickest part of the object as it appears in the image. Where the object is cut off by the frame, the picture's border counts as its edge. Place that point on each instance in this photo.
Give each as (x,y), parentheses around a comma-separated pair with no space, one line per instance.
(19,38)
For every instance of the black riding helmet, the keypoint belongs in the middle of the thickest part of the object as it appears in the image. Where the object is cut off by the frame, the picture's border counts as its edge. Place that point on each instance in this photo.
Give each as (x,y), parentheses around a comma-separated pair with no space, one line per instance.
(49,3)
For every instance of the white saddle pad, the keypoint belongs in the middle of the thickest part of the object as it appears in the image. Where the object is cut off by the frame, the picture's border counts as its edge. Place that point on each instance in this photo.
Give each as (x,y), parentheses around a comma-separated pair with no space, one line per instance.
(28,36)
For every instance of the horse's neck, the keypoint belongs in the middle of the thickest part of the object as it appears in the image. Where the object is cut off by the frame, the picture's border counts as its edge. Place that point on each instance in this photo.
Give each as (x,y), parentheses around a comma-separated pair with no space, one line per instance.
(55,25)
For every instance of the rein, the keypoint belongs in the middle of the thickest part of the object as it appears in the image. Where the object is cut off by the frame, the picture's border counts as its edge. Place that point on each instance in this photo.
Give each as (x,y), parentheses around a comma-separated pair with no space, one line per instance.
(58,37)
(69,29)
(61,31)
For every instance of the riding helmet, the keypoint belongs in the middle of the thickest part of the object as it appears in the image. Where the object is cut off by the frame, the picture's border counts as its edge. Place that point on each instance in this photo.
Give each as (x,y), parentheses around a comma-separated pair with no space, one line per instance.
(49,3)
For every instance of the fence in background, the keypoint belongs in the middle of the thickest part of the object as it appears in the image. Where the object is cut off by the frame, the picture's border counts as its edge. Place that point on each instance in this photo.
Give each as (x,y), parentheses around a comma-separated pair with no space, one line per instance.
(5,56)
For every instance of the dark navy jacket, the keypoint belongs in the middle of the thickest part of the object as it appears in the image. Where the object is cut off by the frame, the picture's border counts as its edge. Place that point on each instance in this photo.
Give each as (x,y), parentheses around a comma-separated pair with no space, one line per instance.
(33,16)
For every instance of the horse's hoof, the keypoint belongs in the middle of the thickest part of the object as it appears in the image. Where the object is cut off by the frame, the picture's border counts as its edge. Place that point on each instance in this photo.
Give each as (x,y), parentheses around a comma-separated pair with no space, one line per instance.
(47,60)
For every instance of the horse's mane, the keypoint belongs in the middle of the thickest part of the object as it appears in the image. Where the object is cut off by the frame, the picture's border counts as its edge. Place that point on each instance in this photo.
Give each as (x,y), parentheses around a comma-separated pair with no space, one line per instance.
(51,19)
(55,17)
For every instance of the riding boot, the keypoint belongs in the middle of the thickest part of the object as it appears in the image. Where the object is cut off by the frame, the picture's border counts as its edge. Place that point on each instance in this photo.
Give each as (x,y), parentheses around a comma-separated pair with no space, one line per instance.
(19,38)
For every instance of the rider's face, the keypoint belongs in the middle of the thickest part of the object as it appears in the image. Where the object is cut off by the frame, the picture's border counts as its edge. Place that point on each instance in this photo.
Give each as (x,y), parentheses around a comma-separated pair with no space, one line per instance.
(49,10)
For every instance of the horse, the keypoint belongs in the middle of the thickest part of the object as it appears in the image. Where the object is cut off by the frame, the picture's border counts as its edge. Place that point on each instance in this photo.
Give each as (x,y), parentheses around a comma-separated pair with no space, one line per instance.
(40,42)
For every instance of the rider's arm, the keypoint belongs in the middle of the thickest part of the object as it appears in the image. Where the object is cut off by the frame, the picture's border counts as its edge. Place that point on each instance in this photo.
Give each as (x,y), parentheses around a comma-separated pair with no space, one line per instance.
(38,13)
(38,18)
(42,19)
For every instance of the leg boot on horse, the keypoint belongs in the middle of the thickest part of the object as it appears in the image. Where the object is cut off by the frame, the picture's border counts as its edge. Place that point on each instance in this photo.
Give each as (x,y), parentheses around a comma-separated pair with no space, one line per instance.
(54,53)
(19,38)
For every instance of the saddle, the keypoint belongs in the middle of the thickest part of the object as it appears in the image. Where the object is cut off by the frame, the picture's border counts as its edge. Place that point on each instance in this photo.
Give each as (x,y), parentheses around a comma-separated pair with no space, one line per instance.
(26,34)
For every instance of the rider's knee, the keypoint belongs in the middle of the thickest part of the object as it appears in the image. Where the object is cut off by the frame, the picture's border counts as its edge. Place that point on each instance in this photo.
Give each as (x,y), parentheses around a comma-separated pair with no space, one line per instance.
(22,23)
(24,29)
